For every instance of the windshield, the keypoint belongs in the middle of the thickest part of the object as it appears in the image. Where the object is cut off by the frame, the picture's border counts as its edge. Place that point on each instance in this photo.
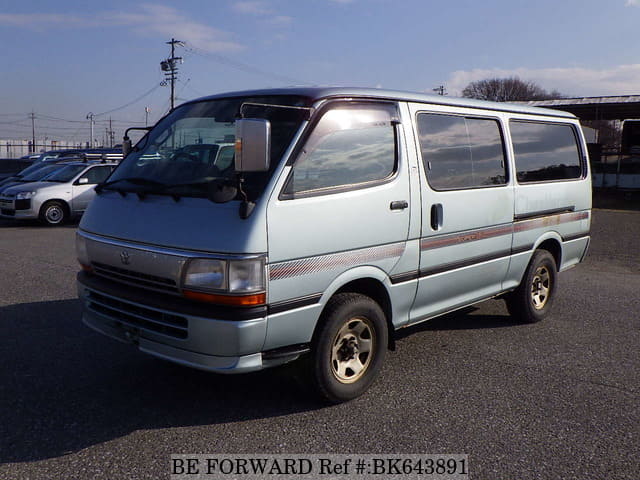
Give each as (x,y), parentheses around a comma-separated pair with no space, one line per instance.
(40,173)
(194,146)
(29,170)
(65,174)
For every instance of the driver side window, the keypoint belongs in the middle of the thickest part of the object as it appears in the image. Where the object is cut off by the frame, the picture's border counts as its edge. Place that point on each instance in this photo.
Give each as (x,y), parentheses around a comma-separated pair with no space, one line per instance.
(350,147)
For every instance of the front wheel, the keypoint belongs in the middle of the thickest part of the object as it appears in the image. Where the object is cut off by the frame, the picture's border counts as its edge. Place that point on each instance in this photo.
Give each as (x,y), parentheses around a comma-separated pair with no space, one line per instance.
(531,301)
(349,347)
(53,213)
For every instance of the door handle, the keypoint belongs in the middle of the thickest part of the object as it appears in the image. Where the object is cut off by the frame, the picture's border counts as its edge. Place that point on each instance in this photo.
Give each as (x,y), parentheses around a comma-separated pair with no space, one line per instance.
(399,205)
(436,216)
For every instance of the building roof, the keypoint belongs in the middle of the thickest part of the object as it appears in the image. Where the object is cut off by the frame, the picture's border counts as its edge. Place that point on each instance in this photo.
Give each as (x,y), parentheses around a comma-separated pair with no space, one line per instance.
(595,108)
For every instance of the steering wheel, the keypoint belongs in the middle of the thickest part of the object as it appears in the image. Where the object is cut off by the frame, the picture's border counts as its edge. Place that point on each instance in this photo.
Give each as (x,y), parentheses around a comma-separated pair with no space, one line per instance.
(185,155)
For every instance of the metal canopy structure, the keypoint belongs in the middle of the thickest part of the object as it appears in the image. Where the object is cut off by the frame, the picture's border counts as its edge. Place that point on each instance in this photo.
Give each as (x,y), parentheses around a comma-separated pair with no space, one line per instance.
(595,108)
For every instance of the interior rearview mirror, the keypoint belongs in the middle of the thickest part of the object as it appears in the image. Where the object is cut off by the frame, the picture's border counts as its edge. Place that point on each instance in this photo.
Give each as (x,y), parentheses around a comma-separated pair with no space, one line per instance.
(253,145)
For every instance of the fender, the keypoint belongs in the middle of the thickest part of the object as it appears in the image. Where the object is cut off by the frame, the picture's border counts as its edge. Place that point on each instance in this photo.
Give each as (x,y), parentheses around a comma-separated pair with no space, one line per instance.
(553,235)
(356,273)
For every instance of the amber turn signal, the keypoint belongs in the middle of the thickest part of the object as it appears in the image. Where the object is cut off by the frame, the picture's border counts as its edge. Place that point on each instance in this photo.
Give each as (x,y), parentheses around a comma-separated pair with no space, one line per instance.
(234,300)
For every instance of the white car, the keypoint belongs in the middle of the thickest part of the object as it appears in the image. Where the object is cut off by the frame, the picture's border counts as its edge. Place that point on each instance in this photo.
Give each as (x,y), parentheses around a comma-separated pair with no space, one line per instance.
(53,200)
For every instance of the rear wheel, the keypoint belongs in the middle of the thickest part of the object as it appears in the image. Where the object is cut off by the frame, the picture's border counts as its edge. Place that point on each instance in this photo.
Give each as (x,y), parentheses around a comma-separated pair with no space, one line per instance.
(349,347)
(532,300)
(53,213)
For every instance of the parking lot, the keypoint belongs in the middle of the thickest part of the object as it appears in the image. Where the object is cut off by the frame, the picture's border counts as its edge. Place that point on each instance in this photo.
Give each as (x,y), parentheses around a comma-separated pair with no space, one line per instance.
(553,400)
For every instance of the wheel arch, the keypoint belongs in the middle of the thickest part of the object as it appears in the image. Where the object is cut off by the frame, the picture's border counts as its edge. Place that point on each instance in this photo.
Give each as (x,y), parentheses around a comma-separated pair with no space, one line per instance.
(64,203)
(551,242)
(368,281)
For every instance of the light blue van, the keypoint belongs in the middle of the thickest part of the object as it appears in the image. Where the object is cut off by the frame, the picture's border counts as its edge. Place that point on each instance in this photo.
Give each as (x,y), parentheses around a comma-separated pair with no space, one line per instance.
(341,216)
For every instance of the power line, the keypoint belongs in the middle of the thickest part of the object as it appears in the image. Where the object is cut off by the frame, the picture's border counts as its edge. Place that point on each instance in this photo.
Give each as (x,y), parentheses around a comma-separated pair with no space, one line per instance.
(14,123)
(137,99)
(49,117)
(186,85)
(242,66)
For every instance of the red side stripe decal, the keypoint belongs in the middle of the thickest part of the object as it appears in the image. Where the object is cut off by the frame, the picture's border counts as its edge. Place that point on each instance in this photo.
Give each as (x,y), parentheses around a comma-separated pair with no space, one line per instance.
(484,233)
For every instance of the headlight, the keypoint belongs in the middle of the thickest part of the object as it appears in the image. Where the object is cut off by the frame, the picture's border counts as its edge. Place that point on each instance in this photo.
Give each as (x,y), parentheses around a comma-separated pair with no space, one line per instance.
(25,195)
(205,274)
(230,282)
(81,252)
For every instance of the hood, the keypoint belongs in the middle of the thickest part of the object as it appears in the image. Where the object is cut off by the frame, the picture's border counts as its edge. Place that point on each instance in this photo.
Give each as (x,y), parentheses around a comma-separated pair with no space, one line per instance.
(6,184)
(27,187)
(188,224)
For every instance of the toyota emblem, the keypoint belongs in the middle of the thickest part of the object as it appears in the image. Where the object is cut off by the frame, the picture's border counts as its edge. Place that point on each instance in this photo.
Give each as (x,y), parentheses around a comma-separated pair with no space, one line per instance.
(124,257)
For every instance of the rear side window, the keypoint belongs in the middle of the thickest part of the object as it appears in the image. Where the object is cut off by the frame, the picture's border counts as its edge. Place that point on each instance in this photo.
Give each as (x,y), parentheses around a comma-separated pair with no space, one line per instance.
(545,151)
(461,152)
(350,147)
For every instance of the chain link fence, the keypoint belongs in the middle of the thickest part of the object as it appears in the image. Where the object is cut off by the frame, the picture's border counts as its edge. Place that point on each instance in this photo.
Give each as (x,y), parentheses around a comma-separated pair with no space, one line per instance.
(20,148)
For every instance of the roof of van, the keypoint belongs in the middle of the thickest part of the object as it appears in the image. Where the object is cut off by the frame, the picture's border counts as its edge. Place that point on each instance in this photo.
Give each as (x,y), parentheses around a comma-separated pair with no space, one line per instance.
(319,93)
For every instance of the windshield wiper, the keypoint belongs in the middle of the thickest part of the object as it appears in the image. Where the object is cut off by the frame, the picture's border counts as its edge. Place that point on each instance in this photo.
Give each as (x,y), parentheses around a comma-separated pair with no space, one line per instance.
(134,180)
(217,189)
(202,184)
(222,190)
(154,186)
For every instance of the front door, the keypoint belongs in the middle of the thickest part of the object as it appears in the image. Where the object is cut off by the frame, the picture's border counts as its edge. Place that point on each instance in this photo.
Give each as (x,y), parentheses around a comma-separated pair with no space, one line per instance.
(83,187)
(345,203)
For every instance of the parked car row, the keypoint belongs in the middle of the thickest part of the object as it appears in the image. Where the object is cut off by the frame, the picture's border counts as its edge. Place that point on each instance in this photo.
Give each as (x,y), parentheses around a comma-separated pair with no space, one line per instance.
(53,190)
(89,153)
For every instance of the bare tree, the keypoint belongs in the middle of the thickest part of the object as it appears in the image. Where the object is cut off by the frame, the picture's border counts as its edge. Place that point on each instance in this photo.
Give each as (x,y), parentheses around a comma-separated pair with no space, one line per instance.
(510,89)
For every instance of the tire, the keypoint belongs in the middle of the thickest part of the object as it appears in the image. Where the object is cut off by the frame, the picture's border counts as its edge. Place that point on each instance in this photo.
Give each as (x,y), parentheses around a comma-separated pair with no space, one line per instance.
(532,300)
(348,348)
(53,213)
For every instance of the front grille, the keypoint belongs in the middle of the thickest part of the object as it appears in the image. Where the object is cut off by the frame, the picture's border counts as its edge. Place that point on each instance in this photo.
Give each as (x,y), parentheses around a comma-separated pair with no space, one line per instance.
(23,204)
(139,317)
(131,277)
(6,203)
(6,211)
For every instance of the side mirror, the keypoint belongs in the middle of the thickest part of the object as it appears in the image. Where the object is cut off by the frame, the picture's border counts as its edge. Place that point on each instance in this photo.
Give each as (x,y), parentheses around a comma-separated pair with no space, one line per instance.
(253,145)
(126,146)
(83,181)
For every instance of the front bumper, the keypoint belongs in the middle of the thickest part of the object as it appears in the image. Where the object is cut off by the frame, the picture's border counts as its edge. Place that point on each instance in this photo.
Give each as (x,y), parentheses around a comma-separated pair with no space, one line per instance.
(173,329)
(10,208)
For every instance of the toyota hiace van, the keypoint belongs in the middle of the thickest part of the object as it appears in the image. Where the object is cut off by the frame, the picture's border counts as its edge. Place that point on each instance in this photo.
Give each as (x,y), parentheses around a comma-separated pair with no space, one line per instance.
(345,215)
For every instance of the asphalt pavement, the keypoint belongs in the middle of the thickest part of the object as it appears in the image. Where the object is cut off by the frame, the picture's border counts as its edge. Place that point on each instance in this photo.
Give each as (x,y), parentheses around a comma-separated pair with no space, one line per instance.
(555,400)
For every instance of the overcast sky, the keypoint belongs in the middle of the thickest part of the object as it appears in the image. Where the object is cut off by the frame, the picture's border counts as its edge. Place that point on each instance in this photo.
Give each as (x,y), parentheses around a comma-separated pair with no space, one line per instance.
(67,58)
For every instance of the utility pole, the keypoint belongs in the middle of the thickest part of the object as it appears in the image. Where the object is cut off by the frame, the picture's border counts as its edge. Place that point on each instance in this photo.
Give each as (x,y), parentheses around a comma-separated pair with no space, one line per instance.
(440,90)
(91,122)
(32,115)
(170,68)
(111,135)
(146,116)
